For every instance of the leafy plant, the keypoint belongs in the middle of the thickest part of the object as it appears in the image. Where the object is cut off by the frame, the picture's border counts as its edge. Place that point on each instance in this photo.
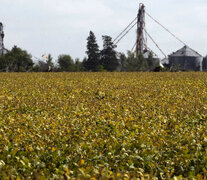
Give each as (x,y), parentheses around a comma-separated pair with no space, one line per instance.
(103,125)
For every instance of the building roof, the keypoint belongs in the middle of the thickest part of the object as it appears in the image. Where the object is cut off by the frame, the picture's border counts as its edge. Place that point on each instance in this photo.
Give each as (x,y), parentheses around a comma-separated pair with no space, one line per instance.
(165,61)
(146,54)
(186,51)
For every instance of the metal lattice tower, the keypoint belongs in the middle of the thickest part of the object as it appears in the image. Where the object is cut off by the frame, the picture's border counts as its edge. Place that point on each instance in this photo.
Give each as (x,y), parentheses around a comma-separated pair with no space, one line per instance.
(140,43)
(142,34)
(1,39)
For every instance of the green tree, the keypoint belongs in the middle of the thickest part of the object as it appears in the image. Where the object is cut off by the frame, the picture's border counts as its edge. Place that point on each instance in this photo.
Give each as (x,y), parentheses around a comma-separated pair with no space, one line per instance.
(151,62)
(3,63)
(143,63)
(45,65)
(93,60)
(109,58)
(16,60)
(42,66)
(132,62)
(65,63)
(78,66)
(123,60)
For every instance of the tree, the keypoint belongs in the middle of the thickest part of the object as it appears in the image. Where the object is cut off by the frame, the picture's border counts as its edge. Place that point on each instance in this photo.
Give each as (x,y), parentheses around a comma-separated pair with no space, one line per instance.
(16,60)
(132,62)
(78,66)
(65,63)
(2,62)
(143,63)
(93,53)
(151,62)
(123,60)
(45,65)
(109,55)
(42,66)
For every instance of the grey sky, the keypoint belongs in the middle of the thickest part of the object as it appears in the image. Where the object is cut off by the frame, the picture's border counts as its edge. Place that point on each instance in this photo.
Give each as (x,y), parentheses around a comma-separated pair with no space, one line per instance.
(62,26)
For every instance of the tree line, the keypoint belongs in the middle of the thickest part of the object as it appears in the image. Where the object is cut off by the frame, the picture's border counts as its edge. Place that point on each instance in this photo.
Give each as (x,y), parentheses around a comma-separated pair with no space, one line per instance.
(106,59)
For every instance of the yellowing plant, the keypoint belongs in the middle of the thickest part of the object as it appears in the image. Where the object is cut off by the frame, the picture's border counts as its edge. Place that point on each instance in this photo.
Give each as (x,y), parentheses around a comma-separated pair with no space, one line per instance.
(103,125)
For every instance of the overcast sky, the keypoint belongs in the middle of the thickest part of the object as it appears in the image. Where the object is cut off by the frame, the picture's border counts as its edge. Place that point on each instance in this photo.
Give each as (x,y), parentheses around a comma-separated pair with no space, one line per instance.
(62,26)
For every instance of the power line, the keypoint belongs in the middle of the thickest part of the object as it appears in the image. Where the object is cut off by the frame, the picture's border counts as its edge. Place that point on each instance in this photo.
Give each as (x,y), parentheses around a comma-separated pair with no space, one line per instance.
(125,34)
(125,29)
(152,51)
(134,47)
(166,29)
(131,25)
(155,43)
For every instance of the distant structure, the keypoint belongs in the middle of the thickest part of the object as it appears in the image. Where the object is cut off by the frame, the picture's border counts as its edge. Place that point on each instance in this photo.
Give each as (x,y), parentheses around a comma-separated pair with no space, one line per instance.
(141,41)
(146,55)
(140,46)
(186,59)
(2,49)
(204,64)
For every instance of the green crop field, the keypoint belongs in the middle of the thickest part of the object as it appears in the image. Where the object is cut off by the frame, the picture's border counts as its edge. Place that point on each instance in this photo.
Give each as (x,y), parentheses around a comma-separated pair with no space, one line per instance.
(103,125)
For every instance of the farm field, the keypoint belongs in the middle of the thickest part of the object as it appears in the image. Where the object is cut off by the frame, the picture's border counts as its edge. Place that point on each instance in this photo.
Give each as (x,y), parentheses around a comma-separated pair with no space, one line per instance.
(103,125)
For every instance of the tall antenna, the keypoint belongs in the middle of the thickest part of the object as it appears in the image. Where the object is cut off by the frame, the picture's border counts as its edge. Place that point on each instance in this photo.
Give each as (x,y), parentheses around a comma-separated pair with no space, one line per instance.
(1,39)
(140,30)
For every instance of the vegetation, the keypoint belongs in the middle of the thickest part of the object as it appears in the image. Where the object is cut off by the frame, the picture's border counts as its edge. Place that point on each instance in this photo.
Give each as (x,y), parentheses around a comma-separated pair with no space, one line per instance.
(151,63)
(44,66)
(65,63)
(16,60)
(133,63)
(93,61)
(103,125)
(107,59)
(108,55)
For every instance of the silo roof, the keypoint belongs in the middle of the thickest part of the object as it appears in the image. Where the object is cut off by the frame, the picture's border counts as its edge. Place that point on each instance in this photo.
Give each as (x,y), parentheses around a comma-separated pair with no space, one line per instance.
(165,61)
(186,51)
(146,54)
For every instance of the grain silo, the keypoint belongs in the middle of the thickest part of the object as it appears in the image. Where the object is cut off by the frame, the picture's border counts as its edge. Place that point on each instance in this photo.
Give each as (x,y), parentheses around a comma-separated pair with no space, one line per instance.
(147,54)
(205,64)
(186,59)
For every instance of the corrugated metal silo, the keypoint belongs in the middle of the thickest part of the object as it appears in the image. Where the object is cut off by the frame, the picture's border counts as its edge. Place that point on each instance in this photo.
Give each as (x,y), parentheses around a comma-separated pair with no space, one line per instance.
(205,63)
(186,59)
(146,55)
(165,62)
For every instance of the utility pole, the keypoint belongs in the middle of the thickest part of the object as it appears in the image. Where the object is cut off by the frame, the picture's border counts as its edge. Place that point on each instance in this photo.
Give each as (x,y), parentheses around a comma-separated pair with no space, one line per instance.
(140,42)
(1,39)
